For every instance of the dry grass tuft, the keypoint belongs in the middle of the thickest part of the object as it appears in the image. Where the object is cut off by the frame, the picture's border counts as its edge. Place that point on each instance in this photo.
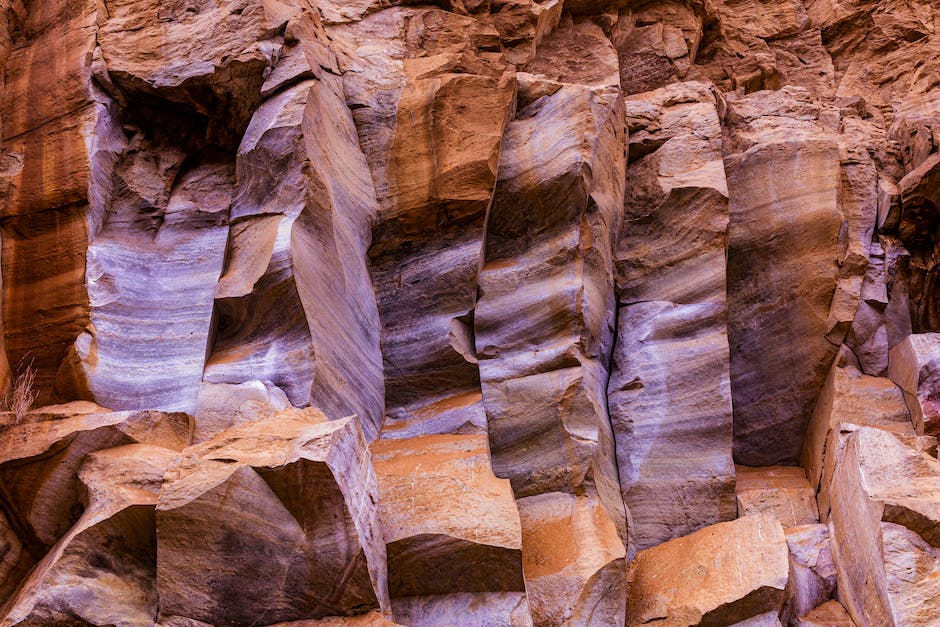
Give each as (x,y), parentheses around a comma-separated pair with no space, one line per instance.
(22,394)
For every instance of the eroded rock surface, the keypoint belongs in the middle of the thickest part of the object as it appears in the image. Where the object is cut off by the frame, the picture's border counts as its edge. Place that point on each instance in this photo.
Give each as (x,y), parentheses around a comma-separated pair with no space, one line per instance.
(469,312)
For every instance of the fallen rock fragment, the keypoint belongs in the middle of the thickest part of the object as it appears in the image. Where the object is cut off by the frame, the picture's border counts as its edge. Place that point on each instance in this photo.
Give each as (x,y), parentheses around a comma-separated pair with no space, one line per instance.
(40,460)
(829,614)
(573,561)
(885,522)
(686,581)
(812,571)
(914,365)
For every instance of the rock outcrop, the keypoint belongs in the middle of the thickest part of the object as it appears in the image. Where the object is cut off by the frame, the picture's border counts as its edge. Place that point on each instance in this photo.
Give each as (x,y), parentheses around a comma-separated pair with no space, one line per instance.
(469,312)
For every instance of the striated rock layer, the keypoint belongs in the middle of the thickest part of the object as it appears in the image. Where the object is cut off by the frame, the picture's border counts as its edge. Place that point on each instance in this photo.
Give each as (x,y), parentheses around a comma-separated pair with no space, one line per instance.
(469,312)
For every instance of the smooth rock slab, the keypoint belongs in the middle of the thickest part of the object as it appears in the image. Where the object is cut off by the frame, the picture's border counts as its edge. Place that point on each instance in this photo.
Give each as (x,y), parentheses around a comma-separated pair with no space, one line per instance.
(783,248)
(722,574)
(451,526)
(277,514)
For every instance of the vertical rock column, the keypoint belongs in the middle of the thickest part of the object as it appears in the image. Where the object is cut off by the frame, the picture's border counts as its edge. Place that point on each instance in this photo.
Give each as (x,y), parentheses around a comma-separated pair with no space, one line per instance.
(670,392)
(783,253)
(430,108)
(431,94)
(544,324)
(183,96)
(295,304)
(47,176)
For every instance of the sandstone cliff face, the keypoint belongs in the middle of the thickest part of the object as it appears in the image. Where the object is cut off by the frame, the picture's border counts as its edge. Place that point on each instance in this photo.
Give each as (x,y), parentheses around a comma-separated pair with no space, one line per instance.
(469,312)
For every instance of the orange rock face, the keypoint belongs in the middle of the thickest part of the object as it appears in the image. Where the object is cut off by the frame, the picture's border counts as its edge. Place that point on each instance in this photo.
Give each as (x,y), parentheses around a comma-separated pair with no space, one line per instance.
(469,313)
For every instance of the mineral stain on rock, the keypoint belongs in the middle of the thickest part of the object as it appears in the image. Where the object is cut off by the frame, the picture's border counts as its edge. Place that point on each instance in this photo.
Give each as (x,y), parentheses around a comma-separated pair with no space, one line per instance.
(469,313)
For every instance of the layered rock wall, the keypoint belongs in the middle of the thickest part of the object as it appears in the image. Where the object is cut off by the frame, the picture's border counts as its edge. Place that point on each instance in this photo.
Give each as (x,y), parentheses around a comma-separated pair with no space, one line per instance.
(469,312)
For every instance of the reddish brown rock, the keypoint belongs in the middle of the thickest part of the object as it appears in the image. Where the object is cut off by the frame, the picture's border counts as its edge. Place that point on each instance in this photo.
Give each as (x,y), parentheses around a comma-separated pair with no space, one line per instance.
(573,561)
(829,614)
(884,523)
(47,180)
(782,271)
(450,525)
(779,491)
(683,581)
(544,373)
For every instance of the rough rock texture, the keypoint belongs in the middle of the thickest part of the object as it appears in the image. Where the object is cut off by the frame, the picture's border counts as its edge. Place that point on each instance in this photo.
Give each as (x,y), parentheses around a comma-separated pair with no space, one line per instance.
(829,614)
(449,524)
(683,581)
(779,491)
(812,571)
(469,312)
(573,561)
(310,480)
(884,522)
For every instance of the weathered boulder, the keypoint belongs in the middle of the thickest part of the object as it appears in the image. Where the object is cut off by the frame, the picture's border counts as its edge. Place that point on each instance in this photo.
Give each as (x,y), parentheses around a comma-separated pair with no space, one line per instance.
(685,581)
(319,551)
(829,614)
(450,525)
(848,399)
(40,458)
(885,522)
(670,272)
(223,405)
(913,365)
(812,578)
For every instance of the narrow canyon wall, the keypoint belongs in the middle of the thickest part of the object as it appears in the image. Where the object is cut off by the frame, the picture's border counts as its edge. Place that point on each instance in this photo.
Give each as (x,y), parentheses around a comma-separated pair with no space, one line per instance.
(469,312)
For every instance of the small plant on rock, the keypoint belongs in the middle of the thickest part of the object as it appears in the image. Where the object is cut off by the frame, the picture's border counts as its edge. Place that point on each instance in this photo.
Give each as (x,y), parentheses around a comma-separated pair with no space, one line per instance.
(22,394)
